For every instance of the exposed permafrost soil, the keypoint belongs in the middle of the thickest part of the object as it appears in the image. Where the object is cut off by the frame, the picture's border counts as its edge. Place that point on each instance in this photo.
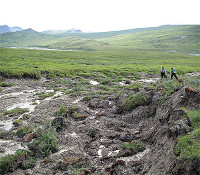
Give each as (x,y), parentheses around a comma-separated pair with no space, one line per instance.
(99,137)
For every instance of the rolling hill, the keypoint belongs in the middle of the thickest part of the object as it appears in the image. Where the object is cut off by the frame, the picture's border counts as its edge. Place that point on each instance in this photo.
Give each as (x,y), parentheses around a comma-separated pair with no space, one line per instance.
(172,38)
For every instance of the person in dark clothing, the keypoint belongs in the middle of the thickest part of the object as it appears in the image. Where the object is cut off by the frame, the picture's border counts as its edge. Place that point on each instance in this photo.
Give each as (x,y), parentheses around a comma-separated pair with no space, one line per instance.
(163,72)
(173,73)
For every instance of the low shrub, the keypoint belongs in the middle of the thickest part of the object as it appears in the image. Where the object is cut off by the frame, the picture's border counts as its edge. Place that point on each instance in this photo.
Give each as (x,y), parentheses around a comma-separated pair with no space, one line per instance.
(62,110)
(46,141)
(21,159)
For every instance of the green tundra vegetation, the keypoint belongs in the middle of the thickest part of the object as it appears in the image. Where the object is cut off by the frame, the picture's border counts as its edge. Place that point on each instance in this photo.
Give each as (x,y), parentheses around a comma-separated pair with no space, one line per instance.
(114,64)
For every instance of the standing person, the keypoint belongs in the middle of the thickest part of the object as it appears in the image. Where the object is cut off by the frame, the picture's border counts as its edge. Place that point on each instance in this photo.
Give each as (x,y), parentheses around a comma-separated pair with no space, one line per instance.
(163,72)
(173,73)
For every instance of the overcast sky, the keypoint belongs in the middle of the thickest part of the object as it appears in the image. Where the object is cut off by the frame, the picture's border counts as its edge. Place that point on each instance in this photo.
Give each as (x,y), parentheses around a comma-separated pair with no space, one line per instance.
(97,15)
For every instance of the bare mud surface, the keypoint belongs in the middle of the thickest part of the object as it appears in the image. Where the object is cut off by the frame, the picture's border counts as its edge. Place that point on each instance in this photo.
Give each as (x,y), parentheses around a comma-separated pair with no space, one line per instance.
(96,141)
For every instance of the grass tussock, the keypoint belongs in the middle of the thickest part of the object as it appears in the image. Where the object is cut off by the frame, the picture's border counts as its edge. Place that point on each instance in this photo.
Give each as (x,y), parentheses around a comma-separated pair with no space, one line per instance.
(15,112)
(133,101)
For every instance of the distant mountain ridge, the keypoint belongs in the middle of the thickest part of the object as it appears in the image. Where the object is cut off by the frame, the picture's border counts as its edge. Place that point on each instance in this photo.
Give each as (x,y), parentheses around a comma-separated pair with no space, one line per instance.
(73,30)
(6,28)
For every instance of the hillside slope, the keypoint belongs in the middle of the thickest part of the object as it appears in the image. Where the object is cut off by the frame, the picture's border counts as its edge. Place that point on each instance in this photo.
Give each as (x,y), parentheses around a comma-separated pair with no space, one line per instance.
(31,38)
(175,39)
(183,38)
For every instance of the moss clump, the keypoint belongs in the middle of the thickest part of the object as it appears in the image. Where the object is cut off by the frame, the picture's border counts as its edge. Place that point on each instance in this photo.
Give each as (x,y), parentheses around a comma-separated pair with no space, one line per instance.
(87,98)
(133,101)
(15,112)
(22,131)
(18,123)
(25,116)
(79,116)
(131,148)
(34,103)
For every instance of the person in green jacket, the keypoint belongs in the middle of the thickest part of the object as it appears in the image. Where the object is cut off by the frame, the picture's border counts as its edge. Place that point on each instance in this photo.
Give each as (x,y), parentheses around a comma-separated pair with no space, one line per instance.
(173,73)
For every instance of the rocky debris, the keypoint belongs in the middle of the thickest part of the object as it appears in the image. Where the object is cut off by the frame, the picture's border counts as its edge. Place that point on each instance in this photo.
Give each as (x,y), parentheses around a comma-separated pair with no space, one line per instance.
(97,103)
(75,162)
(126,137)
(100,113)
(188,97)
(192,93)
(150,111)
(178,114)
(178,128)
(93,133)
(113,169)
(118,109)
(179,123)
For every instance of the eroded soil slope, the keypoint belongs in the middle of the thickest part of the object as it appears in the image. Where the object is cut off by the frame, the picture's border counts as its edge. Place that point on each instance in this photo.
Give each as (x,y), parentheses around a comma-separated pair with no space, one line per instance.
(125,131)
